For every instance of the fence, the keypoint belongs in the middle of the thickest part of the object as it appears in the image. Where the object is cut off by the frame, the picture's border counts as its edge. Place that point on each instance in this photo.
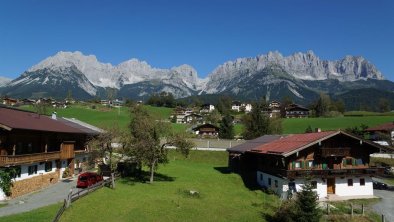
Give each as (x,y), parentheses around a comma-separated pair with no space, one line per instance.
(75,196)
(216,143)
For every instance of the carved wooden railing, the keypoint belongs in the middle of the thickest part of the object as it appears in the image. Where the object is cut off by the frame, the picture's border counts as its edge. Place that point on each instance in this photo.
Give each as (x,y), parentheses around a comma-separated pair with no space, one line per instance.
(302,173)
(28,158)
(326,152)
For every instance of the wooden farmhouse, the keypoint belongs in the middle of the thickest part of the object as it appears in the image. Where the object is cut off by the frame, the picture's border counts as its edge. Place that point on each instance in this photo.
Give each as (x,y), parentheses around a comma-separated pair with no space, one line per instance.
(382,134)
(207,130)
(337,163)
(296,111)
(41,148)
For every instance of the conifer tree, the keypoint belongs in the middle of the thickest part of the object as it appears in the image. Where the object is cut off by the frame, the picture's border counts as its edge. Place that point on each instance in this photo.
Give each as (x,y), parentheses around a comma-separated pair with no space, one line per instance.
(226,130)
(307,204)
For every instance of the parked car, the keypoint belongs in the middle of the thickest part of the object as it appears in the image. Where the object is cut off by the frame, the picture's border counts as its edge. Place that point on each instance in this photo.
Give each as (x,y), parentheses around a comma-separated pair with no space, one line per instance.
(379,185)
(88,179)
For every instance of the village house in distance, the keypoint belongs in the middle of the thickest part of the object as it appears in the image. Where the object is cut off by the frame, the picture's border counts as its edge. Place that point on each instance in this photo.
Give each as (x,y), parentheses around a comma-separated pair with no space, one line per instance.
(337,162)
(40,148)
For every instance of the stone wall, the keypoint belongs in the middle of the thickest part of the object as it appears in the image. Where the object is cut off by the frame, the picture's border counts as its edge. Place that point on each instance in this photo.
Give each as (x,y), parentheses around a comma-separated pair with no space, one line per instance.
(35,183)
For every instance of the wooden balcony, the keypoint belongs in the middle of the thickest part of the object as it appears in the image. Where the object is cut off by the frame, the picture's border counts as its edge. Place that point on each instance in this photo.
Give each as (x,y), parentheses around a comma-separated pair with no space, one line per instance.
(6,160)
(302,173)
(335,152)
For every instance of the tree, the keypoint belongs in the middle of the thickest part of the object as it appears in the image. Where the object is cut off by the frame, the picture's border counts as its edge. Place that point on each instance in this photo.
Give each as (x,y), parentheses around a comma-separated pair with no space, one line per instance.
(40,108)
(224,104)
(384,105)
(256,123)
(226,130)
(214,117)
(101,144)
(148,139)
(285,102)
(307,209)
(323,105)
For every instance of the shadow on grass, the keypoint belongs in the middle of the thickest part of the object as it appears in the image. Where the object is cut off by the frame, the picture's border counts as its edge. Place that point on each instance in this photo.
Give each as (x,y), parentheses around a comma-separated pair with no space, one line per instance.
(248,177)
(223,170)
(144,178)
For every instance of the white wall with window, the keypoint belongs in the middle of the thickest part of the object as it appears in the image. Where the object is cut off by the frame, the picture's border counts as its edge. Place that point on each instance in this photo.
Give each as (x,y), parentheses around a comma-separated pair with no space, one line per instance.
(354,186)
(30,170)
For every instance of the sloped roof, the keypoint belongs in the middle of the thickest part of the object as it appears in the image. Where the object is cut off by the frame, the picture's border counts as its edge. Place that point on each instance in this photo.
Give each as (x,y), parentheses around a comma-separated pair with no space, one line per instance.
(18,119)
(252,144)
(383,127)
(292,143)
(85,127)
(205,126)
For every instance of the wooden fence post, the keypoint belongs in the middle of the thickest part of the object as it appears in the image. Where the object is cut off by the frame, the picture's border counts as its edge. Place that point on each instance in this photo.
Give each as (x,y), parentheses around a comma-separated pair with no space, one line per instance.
(351,207)
(328,209)
(383,220)
(362,209)
(68,202)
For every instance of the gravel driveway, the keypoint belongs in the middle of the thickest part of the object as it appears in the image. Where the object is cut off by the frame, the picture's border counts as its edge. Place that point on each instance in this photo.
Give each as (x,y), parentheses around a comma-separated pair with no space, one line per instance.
(47,196)
(386,205)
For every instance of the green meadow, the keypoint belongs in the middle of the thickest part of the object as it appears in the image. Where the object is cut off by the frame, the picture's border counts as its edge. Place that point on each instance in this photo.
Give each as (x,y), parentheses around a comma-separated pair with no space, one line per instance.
(221,196)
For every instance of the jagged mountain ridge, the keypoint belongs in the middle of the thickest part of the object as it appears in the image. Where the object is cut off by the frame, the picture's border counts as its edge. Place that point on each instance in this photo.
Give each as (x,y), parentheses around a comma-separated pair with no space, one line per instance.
(272,75)
(4,81)
(299,65)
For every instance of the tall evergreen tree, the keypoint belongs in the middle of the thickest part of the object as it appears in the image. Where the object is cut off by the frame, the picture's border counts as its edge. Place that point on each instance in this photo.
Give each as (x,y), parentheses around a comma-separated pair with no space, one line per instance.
(226,130)
(323,105)
(307,204)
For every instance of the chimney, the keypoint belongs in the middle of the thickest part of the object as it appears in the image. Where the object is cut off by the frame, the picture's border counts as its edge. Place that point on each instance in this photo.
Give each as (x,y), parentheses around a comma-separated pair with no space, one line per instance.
(54,116)
(317,130)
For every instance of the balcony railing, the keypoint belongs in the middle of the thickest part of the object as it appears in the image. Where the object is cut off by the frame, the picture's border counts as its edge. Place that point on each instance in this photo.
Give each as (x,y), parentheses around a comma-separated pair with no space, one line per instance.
(326,152)
(28,158)
(292,174)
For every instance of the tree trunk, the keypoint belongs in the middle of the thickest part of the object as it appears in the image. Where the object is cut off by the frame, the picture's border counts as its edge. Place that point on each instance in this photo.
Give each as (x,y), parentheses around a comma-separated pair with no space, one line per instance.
(152,171)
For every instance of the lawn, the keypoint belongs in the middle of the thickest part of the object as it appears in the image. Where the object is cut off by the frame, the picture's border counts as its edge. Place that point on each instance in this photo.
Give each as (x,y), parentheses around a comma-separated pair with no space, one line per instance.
(41,214)
(102,116)
(298,125)
(222,196)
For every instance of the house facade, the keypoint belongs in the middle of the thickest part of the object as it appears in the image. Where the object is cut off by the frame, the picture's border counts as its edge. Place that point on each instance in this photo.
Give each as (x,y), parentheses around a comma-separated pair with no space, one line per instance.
(40,149)
(382,134)
(296,111)
(207,108)
(206,130)
(337,163)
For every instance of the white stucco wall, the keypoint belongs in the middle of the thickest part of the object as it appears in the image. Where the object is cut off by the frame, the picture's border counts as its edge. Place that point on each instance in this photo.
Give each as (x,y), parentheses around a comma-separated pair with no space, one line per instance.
(342,188)
(283,184)
(40,170)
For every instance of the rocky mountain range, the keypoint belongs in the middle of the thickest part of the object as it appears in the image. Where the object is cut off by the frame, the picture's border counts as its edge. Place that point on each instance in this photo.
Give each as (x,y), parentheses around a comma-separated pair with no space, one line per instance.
(301,76)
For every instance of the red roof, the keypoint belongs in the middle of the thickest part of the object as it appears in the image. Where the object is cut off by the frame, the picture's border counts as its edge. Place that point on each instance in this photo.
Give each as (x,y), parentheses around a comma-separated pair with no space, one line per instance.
(384,127)
(18,119)
(291,143)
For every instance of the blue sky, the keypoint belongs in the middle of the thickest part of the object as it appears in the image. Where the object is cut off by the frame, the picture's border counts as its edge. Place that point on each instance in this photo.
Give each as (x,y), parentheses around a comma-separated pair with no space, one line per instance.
(201,33)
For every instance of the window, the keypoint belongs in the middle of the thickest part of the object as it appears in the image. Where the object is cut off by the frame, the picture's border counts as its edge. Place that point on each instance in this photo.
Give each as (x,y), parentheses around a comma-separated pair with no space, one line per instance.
(297,164)
(269,181)
(362,182)
(276,183)
(32,170)
(48,166)
(350,182)
(359,161)
(349,162)
(314,184)
(310,163)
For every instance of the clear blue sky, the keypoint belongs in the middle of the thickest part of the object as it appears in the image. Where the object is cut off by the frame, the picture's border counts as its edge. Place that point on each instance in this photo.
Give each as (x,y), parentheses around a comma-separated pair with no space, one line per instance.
(201,33)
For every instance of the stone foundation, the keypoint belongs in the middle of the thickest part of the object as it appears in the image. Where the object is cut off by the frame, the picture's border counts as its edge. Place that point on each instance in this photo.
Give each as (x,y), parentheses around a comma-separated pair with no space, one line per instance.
(38,182)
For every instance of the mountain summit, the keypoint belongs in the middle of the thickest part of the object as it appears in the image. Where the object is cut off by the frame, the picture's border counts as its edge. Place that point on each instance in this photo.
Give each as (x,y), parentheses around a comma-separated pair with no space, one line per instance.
(87,77)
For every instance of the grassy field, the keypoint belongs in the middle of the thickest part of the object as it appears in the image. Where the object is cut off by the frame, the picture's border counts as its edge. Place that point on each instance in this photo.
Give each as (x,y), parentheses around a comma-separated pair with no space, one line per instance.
(222,196)
(298,125)
(42,214)
(102,116)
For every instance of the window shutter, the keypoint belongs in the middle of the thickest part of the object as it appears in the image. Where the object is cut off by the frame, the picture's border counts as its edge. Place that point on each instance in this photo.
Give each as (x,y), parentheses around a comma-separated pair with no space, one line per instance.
(293,165)
(353,162)
(344,162)
(302,164)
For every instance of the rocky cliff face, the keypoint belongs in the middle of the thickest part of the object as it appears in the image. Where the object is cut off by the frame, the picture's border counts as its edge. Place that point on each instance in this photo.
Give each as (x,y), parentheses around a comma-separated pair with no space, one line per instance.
(86,76)
(304,66)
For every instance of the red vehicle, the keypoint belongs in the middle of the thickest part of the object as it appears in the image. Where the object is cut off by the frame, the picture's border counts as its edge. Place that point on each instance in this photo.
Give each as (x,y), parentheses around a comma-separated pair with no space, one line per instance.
(88,179)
